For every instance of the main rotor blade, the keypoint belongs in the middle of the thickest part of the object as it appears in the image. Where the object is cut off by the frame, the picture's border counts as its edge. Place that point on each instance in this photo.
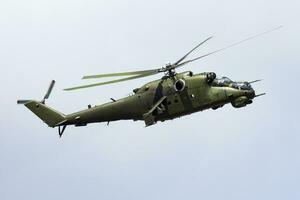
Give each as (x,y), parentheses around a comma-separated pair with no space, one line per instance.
(49,89)
(110,82)
(229,46)
(184,57)
(120,74)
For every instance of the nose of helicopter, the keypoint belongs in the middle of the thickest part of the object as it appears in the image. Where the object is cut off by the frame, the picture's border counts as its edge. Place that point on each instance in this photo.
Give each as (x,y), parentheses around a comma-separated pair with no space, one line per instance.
(250,94)
(246,89)
(242,89)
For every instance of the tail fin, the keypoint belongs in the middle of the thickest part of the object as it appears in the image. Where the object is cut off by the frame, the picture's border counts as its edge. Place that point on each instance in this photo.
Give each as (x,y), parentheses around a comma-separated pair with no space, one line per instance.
(50,116)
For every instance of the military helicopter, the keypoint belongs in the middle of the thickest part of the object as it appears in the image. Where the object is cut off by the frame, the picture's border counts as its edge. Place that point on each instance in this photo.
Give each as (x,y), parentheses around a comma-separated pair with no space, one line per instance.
(172,96)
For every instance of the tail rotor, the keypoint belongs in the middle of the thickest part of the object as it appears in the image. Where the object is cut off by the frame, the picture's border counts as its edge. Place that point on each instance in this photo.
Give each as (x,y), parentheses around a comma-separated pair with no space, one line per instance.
(52,83)
(48,91)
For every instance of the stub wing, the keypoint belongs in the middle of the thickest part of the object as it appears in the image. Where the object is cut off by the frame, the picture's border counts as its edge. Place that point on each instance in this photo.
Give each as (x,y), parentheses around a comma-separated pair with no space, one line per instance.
(158,108)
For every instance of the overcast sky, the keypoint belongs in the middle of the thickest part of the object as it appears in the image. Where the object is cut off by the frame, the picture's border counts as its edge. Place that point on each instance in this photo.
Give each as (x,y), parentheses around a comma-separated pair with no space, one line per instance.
(247,153)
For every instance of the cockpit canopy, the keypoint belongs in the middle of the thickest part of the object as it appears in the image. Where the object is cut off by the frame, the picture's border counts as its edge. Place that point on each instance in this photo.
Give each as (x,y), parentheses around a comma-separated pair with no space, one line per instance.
(226,82)
(222,82)
(241,85)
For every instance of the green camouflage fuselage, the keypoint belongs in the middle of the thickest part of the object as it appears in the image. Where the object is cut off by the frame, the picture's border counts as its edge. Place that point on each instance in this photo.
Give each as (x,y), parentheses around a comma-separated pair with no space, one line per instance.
(160,100)
(195,95)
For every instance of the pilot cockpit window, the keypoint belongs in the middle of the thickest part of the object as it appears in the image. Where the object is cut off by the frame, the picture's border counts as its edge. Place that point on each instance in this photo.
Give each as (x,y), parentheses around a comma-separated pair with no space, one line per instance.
(241,85)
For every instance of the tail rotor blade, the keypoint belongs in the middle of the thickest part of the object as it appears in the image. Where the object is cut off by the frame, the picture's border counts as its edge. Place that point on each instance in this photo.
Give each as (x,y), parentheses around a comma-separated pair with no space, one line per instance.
(49,90)
(23,101)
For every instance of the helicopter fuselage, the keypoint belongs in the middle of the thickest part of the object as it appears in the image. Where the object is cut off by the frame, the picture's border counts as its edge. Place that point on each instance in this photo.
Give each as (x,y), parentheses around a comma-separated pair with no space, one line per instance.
(165,99)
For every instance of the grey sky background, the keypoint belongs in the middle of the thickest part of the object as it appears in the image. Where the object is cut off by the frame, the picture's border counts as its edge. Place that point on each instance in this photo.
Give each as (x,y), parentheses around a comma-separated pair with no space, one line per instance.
(247,153)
